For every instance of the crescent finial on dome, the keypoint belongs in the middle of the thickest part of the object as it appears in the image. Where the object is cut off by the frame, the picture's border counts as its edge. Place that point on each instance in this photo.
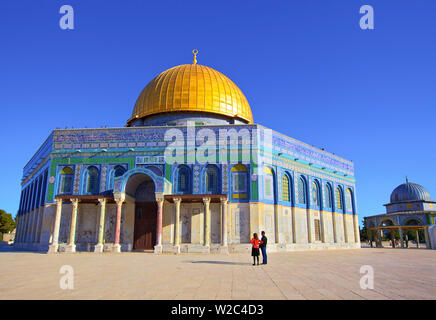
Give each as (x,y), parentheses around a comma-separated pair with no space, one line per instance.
(195,51)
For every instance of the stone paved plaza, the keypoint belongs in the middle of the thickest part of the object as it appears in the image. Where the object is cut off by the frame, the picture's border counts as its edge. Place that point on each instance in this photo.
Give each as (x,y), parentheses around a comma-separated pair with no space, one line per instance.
(399,274)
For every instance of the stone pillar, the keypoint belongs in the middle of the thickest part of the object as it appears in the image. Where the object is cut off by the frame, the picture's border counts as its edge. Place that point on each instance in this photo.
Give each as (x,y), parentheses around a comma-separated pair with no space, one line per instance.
(400,231)
(432,235)
(379,239)
(407,238)
(206,203)
(427,239)
(117,246)
(177,202)
(393,238)
(158,246)
(344,219)
(224,247)
(99,246)
(57,223)
(417,238)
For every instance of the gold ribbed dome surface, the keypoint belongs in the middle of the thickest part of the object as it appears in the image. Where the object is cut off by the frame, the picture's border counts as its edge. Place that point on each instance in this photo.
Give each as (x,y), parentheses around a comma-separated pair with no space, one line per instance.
(192,88)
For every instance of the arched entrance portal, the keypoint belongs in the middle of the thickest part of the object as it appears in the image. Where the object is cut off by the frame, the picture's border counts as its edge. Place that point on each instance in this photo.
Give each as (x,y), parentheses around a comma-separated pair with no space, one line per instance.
(142,188)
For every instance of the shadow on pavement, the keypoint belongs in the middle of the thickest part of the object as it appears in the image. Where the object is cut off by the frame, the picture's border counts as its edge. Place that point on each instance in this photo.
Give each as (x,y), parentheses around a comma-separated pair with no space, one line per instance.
(222,262)
(11,249)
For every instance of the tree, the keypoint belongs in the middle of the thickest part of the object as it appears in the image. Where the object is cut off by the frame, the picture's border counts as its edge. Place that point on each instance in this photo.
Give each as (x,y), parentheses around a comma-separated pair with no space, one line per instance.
(7,223)
(363,232)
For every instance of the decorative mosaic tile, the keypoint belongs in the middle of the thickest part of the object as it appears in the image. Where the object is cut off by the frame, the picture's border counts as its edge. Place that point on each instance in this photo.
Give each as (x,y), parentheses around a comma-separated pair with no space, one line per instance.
(225,178)
(78,171)
(104,170)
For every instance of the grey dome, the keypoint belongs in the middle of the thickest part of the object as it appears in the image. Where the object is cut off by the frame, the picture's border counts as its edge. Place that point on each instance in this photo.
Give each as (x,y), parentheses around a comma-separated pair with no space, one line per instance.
(408,192)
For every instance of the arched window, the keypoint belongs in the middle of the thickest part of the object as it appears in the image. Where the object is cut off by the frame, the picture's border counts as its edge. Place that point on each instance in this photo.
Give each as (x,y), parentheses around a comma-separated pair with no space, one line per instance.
(285,188)
(302,197)
(315,194)
(328,196)
(339,201)
(66,181)
(183,180)
(239,178)
(92,180)
(117,171)
(349,200)
(211,180)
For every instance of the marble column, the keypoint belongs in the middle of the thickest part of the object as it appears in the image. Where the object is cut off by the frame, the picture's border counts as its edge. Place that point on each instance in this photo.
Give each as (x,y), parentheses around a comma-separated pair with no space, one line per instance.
(158,246)
(177,202)
(57,223)
(71,246)
(99,247)
(117,246)
(206,203)
(224,246)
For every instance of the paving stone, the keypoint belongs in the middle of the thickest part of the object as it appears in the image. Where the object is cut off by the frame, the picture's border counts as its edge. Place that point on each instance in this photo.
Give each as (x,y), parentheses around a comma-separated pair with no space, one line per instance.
(335,274)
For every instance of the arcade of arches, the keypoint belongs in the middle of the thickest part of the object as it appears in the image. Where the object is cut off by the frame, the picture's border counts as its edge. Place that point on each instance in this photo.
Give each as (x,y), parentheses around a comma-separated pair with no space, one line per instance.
(400,236)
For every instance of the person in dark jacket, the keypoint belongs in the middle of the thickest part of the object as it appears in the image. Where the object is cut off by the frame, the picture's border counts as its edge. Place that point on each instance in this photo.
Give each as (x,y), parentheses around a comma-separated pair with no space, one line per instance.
(263,248)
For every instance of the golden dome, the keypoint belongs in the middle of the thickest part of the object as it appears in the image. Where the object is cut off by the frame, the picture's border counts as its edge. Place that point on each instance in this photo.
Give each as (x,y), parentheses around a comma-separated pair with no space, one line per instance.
(193,88)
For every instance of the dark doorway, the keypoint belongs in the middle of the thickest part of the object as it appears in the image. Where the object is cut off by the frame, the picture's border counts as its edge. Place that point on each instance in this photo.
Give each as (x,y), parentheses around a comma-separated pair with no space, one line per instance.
(145,226)
(143,189)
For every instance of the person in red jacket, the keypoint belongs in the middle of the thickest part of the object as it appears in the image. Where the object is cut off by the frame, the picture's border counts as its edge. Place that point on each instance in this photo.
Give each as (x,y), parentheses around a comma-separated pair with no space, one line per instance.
(255,248)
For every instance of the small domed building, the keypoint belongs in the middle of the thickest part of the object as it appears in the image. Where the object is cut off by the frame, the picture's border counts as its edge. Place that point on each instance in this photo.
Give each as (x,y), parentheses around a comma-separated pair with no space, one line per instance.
(409,215)
(190,172)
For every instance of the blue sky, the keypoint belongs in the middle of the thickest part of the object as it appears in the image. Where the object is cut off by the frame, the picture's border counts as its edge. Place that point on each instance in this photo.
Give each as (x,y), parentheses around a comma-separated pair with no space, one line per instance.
(306,68)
